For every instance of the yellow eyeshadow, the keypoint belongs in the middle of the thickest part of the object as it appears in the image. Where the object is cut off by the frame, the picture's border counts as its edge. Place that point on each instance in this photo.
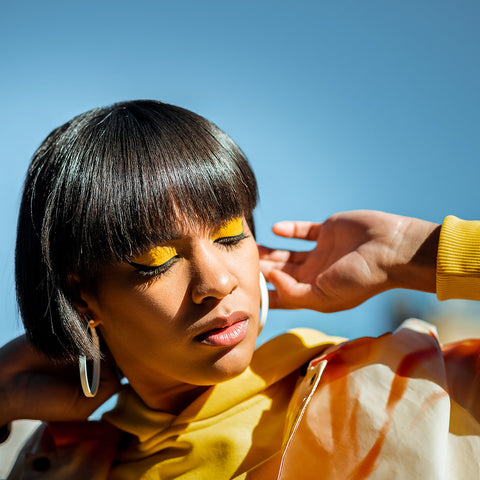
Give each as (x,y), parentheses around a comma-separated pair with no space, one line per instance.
(232,228)
(156,256)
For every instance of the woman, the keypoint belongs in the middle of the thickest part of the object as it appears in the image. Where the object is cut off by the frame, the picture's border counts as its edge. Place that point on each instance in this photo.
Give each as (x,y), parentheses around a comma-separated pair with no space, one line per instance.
(136,227)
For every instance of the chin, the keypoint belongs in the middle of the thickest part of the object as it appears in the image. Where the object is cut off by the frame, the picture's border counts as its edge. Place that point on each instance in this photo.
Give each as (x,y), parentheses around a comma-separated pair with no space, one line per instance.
(230,364)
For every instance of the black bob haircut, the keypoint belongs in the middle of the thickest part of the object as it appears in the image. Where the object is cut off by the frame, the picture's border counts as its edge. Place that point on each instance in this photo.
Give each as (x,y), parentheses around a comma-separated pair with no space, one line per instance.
(107,186)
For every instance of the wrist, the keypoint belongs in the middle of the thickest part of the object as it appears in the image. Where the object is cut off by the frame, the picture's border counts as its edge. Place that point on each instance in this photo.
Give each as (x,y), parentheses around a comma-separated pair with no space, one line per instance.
(415,267)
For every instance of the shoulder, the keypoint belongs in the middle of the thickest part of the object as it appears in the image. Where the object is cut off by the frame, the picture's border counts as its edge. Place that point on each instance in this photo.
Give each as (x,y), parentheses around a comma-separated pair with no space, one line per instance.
(288,352)
(377,405)
(67,447)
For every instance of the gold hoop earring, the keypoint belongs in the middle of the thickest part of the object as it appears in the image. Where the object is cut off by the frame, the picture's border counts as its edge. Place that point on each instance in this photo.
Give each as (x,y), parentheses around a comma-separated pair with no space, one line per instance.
(87,390)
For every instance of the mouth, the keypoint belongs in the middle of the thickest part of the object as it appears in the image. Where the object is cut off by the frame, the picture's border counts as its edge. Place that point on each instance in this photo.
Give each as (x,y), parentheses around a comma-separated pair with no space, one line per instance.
(232,330)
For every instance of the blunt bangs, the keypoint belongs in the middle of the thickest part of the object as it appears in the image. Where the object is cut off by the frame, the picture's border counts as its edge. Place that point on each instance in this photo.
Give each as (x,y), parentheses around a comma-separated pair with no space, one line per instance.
(108,185)
(154,166)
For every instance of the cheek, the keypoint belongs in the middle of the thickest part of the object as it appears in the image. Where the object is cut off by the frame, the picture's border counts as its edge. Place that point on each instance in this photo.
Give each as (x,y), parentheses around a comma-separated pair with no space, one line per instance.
(247,269)
(135,309)
(250,265)
(134,322)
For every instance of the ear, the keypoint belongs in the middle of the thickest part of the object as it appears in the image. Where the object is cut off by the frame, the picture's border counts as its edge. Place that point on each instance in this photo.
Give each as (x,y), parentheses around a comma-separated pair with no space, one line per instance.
(83,299)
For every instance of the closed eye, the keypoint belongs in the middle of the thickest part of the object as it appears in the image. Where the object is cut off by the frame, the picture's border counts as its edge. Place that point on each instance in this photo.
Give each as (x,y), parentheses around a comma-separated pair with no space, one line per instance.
(231,241)
(154,270)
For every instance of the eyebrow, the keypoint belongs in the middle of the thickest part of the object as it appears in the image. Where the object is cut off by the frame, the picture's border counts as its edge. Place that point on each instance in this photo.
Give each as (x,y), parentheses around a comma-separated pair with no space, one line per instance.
(178,234)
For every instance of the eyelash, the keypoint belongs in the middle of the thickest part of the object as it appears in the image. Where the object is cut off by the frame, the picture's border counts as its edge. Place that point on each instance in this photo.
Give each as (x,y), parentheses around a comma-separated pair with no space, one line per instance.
(146,271)
(231,242)
(149,272)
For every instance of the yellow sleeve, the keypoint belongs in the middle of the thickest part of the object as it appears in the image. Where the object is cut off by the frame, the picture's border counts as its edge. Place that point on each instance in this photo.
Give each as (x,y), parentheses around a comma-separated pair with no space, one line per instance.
(458,259)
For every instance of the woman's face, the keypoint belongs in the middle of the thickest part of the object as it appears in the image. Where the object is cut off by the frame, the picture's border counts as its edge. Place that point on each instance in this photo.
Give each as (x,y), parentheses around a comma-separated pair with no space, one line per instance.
(184,312)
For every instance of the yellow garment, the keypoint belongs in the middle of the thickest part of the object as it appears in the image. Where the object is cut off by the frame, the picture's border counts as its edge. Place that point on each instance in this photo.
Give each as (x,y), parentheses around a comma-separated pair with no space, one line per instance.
(212,438)
(364,409)
(458,260)
(397,406)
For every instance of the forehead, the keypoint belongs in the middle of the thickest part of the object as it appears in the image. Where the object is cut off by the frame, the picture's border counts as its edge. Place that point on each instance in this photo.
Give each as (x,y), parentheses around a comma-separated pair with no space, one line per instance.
(190,228)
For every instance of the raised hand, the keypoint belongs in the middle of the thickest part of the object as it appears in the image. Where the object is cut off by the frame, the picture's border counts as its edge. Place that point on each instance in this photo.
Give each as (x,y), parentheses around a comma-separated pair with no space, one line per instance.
(357,255)
(32,386)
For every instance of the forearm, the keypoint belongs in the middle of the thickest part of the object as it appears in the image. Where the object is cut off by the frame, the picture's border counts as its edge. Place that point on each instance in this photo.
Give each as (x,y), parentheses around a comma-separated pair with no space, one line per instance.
(10,405)
(442,259)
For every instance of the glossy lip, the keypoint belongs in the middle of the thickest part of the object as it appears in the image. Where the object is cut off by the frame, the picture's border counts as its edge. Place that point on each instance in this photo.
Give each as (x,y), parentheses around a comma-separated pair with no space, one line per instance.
(226,332)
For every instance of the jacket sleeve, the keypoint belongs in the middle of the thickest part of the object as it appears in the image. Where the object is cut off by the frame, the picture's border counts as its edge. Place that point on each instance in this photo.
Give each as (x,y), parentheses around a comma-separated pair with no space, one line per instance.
(458,260)
(397,403)
(462,365)
(73,450)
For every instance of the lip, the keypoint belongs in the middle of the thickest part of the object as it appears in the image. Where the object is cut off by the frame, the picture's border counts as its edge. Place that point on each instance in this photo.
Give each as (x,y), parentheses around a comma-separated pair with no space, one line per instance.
(226,332)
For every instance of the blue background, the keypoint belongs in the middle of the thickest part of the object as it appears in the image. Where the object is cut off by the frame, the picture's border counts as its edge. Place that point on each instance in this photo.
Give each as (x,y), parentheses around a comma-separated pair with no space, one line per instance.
(339,105)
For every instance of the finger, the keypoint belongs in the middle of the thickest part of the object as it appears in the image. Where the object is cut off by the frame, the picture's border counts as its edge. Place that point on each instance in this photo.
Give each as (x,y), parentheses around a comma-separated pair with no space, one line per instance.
(289,293)
(297,229)
(281,256)
(273,300)
(264,251)
(291,269)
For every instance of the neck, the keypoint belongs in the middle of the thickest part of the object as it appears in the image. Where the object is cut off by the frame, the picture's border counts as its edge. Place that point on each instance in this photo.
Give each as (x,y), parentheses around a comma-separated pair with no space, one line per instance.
(171,399)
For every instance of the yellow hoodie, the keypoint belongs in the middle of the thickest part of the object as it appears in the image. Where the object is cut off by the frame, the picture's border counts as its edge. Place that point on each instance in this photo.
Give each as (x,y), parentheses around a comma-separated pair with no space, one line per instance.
(213,437)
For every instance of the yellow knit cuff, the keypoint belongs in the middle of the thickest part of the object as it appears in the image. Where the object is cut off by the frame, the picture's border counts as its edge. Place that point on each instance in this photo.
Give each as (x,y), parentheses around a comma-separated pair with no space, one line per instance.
(458,259)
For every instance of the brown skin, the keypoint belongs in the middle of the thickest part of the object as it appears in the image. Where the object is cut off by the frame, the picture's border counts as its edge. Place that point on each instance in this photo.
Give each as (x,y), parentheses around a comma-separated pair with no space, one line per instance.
(357,255)
(31,386)
(151,326)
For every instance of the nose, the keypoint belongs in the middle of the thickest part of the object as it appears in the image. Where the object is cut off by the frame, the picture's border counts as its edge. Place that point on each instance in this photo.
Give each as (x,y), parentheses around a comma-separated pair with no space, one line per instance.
(211,277)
